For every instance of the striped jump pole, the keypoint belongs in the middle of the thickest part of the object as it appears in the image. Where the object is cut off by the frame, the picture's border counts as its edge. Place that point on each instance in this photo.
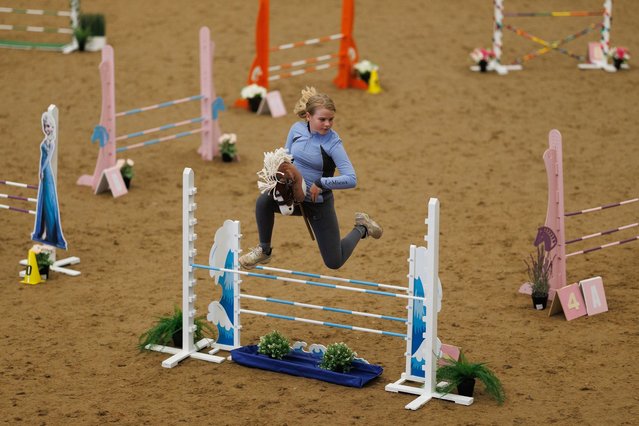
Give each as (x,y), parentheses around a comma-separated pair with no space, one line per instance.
(555,215)
(72,15)
(17,197)
(422,295)
(207,121)
(595,62)
(550,46)
(17,184)
(261,73)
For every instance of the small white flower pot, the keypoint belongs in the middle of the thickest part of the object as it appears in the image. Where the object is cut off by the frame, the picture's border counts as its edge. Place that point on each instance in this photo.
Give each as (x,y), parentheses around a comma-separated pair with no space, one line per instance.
(95,44)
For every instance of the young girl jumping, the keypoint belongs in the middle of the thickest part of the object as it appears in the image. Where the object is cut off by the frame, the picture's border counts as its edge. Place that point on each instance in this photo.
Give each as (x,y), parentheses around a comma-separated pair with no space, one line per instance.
(317,151)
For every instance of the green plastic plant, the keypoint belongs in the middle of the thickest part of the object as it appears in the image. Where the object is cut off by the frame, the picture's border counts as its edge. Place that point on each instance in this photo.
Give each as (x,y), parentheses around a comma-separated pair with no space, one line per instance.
(539,270)
(338,357)
(43,259)
(81,35)
(454,372)
(274,345)
(127,169)
(161,333)
(94,23)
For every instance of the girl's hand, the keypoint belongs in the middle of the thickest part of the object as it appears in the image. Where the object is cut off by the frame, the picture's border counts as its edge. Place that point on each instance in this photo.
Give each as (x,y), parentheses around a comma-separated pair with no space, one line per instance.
(315,191)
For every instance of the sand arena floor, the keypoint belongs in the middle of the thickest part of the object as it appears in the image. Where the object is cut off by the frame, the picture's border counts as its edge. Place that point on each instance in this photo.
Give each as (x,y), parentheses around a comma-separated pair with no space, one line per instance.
(474,141)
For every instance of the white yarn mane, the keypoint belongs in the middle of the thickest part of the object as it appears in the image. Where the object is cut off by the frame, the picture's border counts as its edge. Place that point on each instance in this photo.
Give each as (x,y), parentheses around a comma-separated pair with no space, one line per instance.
(267,177)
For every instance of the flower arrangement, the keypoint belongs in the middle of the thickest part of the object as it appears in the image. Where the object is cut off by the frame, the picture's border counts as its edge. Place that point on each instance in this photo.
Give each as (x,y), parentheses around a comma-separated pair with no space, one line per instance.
(274,344)
(126,170)
(254,94)
(228,149)
(253,91)
(168,328)
(364,69)
(478,55)
(43,258)
(619,55)
(338,357)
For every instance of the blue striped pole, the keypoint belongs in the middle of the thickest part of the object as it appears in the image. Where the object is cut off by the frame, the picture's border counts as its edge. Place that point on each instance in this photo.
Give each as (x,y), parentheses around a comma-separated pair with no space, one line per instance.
(327,324)
(328,277)
(161,128)
(314,283)
(323,308)
(160,105)
(158,140)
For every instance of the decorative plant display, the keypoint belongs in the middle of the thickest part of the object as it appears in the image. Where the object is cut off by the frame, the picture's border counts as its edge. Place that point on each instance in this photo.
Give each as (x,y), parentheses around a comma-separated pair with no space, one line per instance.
(127,171)
(619,55)
(228,148)
(81,35)
(274,345)
(43,257)
(461,374)
(168,330)
(92,26)
(254,94)
(482,57)
(364,69)
(338,357)
(539,270)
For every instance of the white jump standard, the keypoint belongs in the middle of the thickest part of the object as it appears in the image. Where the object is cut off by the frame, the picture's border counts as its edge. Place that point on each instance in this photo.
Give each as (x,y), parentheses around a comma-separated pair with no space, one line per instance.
(423,296)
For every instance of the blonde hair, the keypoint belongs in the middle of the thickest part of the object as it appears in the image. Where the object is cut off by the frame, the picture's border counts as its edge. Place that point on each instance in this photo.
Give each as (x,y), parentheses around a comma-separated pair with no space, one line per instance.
(311,101)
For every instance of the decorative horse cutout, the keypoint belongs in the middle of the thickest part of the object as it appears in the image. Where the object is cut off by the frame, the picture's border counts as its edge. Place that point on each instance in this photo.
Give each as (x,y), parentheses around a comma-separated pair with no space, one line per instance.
(547,236)
(284,182)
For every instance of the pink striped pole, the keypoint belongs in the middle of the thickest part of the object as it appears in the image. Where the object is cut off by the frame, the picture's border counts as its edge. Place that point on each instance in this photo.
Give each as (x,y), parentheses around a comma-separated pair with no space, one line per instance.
(598,234)
(616,243)
(605,206)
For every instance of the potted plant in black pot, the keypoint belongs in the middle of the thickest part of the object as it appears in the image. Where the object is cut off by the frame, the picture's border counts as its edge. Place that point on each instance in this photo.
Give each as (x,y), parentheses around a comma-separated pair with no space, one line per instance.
(126,170)
(539,270)
(619,56)
(364,69)
(253,93)
(43,257)
(482,57)
(167,331)
(81,35)
(461,374)
(228,147)
(96,26)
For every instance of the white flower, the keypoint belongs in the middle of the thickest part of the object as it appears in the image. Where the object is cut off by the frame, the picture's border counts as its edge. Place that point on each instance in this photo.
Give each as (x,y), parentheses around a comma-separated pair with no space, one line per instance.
(129,162)
(365,66)
(252,91)
(228,138)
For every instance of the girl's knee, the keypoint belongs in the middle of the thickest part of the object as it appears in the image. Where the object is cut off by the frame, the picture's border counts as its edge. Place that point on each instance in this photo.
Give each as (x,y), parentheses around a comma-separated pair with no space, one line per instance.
(333,263)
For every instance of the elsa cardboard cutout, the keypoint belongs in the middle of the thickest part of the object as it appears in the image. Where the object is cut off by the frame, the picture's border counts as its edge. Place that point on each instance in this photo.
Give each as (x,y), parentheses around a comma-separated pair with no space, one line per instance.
(47,228)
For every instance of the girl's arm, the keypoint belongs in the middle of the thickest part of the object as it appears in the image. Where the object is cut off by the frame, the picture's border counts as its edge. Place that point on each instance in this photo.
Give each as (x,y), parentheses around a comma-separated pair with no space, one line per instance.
(347,177)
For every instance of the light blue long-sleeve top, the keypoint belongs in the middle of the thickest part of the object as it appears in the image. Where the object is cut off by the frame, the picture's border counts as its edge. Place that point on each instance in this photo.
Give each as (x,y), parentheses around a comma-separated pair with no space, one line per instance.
(317,156)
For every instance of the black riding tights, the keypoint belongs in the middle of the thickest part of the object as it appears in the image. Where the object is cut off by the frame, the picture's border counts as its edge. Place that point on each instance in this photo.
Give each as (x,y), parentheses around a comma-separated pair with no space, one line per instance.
(323,220)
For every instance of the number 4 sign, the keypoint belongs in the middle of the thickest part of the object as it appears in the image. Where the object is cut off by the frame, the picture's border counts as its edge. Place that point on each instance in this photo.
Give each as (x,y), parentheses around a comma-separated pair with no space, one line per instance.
(576,300)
